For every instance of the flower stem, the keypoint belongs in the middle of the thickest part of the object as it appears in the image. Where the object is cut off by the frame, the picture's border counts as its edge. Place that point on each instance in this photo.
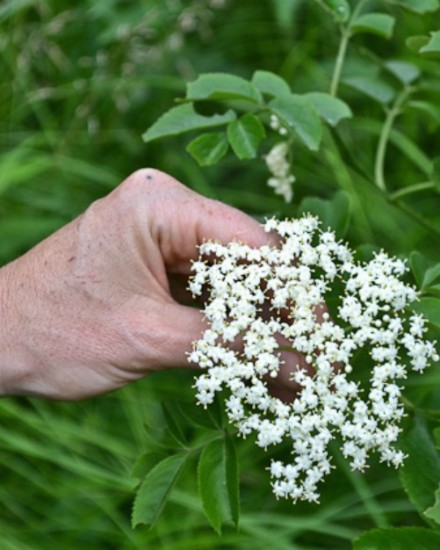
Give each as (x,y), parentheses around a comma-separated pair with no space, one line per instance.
(379,172)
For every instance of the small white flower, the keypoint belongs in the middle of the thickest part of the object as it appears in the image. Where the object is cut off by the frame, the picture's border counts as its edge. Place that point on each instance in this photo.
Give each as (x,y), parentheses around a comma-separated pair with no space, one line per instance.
(294,278)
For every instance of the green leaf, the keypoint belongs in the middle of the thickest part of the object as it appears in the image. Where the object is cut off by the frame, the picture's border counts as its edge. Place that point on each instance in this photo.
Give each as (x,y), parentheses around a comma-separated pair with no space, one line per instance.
(376,23)
(418,264)
(222,86)
(208,149)
(415,43)
(420,473)
(433,512)
(431,276)
(270,83)
(429,46)
(334,213)
(154,491)
(184,118)
(420,6)
(372,86)
(340,9)
(330,108)
(218,482)
(433,45)
(429,308)
(403,70)
(245,135)
(398,538)
(298,113)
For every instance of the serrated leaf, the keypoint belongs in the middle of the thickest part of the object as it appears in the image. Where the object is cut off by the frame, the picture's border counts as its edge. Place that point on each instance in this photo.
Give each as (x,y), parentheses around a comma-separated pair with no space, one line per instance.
(154,491)
(340,9)
(334,213)
(218,483)
(405,71)
(245,135)
(222,86)
(298,113)
(429,308)
(209,148)
(420,473)
(373,87)
(420,6)
(433,512)
(270,83)
(398,538)
(381,24)
(330,108)
(184,118)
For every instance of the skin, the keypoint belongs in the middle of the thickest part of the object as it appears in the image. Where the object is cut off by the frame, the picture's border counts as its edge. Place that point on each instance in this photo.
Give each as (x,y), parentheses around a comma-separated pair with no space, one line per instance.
(93,307)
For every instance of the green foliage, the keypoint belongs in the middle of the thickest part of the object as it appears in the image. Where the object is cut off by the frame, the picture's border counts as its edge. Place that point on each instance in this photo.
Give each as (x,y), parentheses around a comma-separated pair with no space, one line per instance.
(420,473)
(362,120)
(184,118)
(218,482)
(209,148)
(245,135)
(155,489)
(398,539)
(376,23)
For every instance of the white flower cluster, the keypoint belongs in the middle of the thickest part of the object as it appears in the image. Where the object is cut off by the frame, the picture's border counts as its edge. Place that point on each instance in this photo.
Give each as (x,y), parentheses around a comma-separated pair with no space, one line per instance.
(258,296)
(279,167)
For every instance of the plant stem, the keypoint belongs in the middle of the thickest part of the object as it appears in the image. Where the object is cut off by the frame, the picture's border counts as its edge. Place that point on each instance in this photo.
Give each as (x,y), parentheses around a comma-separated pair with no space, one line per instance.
(342,51)
(416,188)
(340,58)
(379,177)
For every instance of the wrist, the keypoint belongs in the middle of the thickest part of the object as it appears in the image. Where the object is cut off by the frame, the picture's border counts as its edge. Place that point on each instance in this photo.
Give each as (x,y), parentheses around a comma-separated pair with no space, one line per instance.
(15,365)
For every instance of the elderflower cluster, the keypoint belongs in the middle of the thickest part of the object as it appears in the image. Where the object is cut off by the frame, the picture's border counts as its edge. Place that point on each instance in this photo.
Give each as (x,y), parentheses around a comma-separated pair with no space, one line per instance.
(259,296)
(279,167)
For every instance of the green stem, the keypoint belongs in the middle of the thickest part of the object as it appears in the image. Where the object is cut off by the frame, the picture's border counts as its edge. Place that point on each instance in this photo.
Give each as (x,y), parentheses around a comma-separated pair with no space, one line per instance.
(342,51)
(416,188)
(340,58)
(379,176)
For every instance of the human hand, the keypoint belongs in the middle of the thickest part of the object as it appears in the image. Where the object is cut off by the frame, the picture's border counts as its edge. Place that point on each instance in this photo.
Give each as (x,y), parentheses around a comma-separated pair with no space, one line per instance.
(90,308)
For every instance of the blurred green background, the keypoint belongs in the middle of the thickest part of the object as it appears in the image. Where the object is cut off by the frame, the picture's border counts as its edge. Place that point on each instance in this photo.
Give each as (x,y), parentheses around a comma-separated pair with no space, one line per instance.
(80,82)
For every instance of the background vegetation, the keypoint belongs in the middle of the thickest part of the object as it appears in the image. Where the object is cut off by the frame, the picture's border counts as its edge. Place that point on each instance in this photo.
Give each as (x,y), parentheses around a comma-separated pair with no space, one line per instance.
(80,84)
